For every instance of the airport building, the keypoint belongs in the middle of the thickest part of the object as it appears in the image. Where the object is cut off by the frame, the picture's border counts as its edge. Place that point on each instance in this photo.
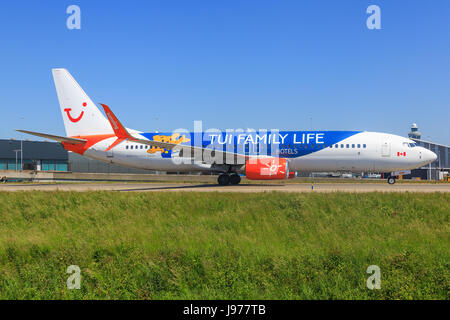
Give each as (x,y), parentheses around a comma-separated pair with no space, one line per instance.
(51,156)
(436,170)
(78,163)
(32,155)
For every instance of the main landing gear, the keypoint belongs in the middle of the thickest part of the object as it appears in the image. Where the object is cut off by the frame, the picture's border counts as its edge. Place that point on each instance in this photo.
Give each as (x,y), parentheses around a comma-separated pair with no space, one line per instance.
(226,179)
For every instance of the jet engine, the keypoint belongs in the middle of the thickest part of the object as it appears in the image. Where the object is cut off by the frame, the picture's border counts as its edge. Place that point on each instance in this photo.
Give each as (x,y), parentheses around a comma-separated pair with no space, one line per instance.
(268,169)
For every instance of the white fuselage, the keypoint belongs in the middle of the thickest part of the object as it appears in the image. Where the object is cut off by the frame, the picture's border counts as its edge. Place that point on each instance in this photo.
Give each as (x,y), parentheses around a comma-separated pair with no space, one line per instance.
(360,152)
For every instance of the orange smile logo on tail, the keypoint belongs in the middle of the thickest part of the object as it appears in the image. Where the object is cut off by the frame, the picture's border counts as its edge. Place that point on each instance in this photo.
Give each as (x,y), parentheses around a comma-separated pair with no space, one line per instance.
(67,110)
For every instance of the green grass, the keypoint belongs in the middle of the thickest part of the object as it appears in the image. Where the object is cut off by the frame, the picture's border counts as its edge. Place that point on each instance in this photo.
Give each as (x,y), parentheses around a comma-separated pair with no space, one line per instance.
(224,245)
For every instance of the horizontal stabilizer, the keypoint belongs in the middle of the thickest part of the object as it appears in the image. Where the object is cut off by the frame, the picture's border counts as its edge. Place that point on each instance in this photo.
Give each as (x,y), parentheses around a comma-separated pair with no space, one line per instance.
(53,137)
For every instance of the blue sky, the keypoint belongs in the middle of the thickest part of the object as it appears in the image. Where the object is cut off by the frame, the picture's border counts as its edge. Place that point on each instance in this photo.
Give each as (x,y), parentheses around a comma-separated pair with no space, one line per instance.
(160,65)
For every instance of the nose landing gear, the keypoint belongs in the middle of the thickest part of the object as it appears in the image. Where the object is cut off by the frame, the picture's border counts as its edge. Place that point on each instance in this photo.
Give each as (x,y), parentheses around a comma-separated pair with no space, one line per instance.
(391,180)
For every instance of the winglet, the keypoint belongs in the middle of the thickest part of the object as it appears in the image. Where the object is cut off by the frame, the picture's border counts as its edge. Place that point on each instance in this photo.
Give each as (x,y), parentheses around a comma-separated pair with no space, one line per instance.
(118,128)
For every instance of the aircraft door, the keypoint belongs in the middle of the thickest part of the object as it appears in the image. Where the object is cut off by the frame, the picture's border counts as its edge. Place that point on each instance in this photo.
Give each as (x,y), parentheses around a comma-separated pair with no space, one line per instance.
(386,149)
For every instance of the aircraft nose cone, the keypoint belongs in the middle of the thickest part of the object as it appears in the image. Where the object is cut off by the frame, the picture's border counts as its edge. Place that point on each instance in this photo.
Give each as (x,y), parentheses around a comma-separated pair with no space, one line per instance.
(430,156)
(433,156)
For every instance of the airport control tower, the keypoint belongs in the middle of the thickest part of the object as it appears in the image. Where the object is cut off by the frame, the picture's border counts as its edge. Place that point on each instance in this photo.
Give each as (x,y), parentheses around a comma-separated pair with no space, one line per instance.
(414,133)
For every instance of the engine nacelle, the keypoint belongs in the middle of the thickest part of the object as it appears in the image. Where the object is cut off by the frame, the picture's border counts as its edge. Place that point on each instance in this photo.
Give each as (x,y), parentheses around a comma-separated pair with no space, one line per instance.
(267,169)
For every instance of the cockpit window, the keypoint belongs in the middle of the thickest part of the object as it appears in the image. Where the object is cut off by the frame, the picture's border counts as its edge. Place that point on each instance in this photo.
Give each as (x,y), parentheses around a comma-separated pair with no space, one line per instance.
(409,144)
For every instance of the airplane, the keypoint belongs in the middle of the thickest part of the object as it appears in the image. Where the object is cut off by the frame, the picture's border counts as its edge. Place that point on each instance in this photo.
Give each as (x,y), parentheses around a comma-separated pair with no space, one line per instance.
(259,155)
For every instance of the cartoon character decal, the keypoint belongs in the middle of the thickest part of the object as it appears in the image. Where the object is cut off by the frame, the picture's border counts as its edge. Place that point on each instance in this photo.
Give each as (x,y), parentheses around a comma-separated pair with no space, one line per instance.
(174,138)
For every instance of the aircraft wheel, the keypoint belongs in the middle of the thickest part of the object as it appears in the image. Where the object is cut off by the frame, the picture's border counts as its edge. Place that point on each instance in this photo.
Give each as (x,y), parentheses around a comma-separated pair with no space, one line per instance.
(391,180)
(223,179)
(235,178)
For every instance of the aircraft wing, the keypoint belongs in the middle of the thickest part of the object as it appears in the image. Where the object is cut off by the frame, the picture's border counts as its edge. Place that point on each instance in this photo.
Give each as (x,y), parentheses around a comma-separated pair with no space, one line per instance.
(55,138)
(122,133)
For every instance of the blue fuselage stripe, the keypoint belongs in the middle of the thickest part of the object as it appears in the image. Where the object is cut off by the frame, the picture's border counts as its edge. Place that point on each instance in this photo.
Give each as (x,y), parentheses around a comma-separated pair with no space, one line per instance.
(287,144)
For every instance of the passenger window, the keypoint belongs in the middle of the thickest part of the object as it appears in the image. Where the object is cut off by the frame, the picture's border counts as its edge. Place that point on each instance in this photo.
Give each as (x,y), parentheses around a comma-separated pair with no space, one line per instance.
(131,147)
(126,147)
(353,146)
(364,145)
(348,146)
(342,145)
(359,146)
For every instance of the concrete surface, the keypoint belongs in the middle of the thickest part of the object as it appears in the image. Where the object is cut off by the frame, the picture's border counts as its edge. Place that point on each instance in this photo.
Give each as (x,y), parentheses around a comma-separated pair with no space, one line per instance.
(46,176)
(302,187)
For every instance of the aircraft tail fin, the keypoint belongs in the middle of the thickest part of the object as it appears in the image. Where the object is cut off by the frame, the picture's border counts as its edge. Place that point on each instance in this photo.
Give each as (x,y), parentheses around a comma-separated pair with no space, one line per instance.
(80,115)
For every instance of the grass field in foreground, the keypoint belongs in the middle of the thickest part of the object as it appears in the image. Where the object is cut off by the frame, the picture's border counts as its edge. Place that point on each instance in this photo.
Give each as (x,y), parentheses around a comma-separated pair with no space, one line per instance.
(224,245)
